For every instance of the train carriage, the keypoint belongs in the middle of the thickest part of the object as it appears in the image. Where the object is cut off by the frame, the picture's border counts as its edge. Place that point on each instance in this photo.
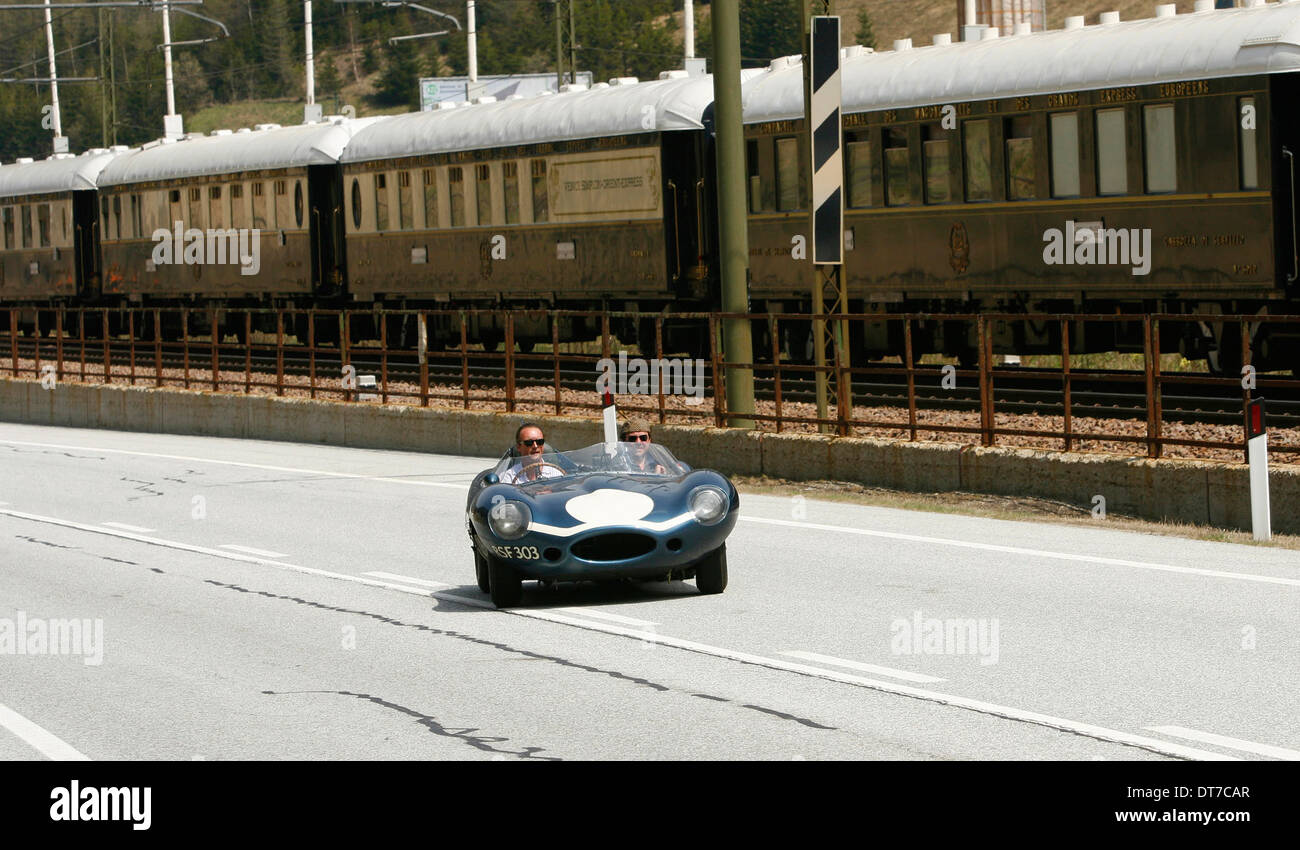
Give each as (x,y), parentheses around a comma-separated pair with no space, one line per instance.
(1120,167)
(583,199)
(48,231)
(228,220)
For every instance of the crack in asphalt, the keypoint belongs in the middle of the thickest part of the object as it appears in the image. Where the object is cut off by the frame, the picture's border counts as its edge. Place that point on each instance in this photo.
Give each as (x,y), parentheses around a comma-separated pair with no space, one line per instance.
(536,656)
(784,716)
(44,542)
(478,742)
(143,488)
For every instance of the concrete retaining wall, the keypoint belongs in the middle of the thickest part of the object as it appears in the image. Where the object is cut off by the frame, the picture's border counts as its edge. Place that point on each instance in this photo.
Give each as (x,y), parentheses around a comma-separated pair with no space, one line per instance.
(1196,492)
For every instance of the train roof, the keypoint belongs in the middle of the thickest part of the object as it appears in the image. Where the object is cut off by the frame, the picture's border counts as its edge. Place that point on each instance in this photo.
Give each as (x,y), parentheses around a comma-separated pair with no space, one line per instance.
(60,173)
(268,147)
(1262,39)
(677,103)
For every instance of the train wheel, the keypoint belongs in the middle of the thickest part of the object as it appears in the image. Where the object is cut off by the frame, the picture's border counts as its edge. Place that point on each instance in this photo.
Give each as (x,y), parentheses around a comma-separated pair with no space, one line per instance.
(491,339)
(1225,359)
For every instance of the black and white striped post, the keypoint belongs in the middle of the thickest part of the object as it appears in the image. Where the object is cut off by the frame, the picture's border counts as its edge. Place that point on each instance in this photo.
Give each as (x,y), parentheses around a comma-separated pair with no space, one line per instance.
(822,113)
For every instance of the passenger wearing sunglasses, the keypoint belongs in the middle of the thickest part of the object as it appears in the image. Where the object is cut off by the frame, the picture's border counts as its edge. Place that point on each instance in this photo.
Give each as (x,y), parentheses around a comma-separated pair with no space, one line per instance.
(530,445)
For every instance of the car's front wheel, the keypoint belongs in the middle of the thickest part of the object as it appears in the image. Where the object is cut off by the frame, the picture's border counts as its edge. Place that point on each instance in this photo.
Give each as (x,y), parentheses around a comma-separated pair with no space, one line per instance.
(711,573)
(506,585)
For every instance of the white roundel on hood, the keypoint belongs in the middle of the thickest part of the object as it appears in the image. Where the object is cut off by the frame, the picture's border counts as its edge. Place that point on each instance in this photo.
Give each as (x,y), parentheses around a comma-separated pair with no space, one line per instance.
(610,506)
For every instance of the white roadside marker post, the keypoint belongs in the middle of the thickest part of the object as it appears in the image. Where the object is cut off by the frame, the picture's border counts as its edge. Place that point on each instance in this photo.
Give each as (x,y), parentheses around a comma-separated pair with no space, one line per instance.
(610,415)
(1257,455)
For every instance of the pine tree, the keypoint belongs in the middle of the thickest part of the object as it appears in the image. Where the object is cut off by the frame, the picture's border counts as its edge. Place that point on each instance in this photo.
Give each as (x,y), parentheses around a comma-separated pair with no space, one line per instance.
(866,32)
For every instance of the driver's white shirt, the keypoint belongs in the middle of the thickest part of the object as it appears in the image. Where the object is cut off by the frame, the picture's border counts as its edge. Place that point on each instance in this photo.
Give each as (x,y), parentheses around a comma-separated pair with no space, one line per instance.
(515,474)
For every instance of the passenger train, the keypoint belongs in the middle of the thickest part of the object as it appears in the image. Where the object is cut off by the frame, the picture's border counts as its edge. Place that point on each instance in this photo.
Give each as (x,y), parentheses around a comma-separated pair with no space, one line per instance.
(1122,167)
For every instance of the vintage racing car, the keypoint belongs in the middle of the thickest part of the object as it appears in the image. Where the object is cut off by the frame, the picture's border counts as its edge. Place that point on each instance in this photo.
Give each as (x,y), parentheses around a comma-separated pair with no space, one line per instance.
(608,511)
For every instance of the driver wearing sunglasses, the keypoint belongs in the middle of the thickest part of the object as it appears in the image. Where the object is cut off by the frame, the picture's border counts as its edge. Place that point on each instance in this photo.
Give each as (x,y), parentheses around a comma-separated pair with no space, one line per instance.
(530,445)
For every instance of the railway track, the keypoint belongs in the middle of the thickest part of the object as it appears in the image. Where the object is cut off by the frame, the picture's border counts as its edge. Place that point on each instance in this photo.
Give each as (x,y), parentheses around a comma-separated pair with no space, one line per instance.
(1096,393)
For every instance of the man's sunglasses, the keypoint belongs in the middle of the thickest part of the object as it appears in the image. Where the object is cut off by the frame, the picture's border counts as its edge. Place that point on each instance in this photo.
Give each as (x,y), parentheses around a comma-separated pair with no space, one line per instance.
(532,442)
(637,438)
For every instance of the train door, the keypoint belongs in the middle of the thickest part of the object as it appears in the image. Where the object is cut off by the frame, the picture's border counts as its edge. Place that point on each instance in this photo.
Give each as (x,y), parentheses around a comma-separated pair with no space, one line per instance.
(85,243)
(1284,148)
(690,218)
(325,223)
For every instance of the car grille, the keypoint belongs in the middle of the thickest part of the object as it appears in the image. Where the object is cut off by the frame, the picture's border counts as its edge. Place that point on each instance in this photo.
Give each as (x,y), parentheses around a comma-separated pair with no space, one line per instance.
(613,547)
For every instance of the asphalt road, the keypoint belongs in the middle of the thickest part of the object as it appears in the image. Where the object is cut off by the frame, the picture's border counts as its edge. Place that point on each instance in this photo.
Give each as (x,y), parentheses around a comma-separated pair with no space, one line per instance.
(252,600)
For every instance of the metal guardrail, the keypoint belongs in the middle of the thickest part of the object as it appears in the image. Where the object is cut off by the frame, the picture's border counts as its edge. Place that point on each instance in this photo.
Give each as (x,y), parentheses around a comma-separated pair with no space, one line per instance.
(103,346)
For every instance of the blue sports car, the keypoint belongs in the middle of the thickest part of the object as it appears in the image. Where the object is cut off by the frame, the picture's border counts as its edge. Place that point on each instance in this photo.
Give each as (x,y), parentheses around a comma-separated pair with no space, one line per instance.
(609,511)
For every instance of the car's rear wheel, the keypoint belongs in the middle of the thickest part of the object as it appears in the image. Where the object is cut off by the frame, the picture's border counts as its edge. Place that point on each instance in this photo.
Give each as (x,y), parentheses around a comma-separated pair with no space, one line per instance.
(481,572)
(711,573)
(507,587)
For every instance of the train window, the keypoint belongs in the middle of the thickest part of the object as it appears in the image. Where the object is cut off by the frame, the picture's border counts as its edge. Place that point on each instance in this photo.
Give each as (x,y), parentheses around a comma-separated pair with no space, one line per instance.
(238,211)
(193,219)
(898,178)
(103,215)
(1158,135)
(27,226)
(43,224)
(1020,158)
(859,159)
(216,209)
(787,174)
(430,198)
(404,213)
(456,191)
(1112,153)
(1064,136)
(356,203)
(137,218)
(510,177)
(117,216)
(298,206)
(541,202)
(483,180)
(280,188)
(7,217)
(1249,152)
(754,181)
(938,177)
(260,220)
(381,202)
(174,196)
(979,160)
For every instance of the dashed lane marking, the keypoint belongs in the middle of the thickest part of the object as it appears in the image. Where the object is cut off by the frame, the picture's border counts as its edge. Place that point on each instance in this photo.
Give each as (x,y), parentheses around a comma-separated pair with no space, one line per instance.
(43,740)
(1227,743)
(905,675)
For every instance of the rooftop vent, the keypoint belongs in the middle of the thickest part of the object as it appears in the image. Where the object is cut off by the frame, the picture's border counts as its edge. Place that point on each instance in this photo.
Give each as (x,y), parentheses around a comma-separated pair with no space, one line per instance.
(681,73)
(623,81)
(1023,28)
(487,98)
(572,87)
(600,85)
(261,127)
(903,44)
(193,135)
(220,133)
(1166,10)
(119,148)
(445,104)
(1108,18)
(1075,22)
(989,34)
(854,51)
(942,39)
(244,131)
(97,151)
(1203,6)
(24,160)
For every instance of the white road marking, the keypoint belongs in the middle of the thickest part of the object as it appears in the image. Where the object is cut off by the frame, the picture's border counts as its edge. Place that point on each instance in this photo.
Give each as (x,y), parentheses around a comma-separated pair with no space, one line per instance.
(1017,550)
(1100,733)
(124,526)
(409,580)
(238,463)
(905,675)
(44,741)
(1227,743)
(247,550)
(613,618)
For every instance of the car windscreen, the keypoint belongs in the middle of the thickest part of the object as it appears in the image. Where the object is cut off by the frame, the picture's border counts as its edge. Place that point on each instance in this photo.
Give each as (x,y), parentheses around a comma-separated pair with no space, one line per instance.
(623,458)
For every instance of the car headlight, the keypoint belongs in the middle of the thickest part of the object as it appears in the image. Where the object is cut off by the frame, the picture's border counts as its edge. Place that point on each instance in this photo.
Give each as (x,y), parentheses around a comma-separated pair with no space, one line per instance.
(709,504)
(509,520)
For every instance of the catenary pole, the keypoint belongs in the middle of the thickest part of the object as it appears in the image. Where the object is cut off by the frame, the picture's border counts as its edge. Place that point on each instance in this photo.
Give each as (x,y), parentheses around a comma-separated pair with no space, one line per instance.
(732,219)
